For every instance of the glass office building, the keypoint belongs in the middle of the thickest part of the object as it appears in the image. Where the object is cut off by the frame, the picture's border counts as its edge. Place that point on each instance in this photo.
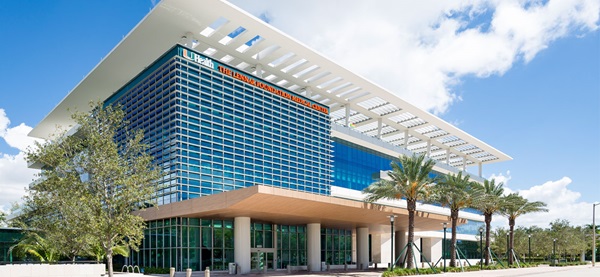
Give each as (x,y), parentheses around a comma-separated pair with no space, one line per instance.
(265,145)
(215,129)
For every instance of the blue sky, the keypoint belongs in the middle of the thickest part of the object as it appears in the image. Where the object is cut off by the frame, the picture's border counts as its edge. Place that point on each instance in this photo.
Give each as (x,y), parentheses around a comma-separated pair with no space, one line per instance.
(535,97)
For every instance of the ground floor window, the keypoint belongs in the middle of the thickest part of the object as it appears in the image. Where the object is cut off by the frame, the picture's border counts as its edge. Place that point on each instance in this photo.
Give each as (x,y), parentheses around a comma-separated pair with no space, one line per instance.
(291,246)
(186,243)
(336,246)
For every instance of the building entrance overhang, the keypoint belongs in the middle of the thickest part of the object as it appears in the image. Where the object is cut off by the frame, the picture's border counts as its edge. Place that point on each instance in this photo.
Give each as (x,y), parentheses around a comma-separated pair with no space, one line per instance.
(283,206)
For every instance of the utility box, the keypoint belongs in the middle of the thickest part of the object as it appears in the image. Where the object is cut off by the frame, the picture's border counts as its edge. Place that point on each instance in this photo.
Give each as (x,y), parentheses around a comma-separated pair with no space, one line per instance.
(232,268)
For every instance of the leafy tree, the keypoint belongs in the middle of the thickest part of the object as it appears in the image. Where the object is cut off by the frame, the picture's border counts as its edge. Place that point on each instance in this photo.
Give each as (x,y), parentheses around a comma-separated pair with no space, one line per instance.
(514,206)
(489,205)
(92,181)
(455,192)
(2,218)
(409,179)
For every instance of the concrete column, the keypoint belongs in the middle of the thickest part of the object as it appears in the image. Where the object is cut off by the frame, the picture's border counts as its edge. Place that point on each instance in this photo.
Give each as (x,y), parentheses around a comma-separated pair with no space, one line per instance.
(376,246)
(428,148)
(259,71)
(379,126)
(241,252)
(347,115)
(432,249)
(405,144)
(480,169)
(313,237)
(400,241)
(362,247)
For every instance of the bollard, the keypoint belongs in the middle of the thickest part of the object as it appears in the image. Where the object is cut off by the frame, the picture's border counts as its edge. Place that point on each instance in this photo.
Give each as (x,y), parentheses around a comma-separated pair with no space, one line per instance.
(265,268)
(328,268)
(172,272)
(289,269)
(207,272)
(345,267)
(188,272)
(376,265)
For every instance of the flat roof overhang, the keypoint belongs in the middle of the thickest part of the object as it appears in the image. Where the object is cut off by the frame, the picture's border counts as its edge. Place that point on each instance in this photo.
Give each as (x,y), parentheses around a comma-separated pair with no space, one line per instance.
(247,43)
(283,206)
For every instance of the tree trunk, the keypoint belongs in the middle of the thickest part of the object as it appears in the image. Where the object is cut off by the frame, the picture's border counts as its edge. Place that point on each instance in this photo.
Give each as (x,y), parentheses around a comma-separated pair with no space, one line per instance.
(511,223)
(411,205)
(488,227)
(454,218)
(109,262)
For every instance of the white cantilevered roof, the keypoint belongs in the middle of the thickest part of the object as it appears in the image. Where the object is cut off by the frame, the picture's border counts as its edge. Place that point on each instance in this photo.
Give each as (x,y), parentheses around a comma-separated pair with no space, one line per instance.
(228,34)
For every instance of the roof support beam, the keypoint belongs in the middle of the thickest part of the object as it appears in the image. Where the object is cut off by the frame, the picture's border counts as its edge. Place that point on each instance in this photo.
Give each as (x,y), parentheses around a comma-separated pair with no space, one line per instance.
(379,125)
(428,148)
(347,106)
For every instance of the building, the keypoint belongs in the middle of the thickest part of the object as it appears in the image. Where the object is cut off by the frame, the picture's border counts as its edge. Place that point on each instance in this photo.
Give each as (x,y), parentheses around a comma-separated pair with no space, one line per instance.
(267,144)
(9,237)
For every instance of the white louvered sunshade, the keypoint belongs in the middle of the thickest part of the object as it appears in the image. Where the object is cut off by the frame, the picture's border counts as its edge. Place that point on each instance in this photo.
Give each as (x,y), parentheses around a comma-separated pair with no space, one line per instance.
(232,36)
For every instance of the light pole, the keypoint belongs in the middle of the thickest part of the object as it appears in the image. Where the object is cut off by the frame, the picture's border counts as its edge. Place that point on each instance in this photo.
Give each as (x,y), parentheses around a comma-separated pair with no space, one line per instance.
(529,248)
(392,241)
(554,252)
(444,245)
(480,247)
(594,233)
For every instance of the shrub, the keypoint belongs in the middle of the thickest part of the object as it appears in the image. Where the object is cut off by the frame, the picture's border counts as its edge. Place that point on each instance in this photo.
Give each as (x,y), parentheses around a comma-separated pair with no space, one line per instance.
(408,272)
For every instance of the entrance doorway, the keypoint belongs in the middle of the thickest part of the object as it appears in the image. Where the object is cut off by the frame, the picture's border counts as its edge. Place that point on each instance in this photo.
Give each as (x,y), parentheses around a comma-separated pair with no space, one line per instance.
(262,259)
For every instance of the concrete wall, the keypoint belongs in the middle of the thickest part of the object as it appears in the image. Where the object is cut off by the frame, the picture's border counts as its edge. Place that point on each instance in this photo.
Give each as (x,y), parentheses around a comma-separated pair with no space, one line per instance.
(52,270)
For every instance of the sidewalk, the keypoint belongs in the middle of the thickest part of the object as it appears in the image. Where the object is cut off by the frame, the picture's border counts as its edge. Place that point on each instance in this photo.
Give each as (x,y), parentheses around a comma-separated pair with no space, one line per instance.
(545,271)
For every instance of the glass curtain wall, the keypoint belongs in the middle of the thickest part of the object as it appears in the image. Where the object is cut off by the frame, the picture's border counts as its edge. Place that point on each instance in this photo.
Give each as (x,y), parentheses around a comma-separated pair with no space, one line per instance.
(336,246)
(186,243)
(291,246)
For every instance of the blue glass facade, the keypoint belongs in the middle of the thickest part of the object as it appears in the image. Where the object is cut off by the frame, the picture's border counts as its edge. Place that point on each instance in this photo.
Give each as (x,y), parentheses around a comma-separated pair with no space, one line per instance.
(215,129)
(355,165)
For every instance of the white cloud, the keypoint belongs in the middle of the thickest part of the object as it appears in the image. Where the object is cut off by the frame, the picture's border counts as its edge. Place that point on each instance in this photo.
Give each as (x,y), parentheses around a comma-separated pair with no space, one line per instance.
(562,203)
(14,174)
(502,178)
(420,50)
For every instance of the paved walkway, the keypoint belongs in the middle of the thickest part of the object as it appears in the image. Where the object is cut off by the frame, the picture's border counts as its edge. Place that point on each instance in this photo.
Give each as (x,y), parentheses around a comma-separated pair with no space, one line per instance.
(545,271)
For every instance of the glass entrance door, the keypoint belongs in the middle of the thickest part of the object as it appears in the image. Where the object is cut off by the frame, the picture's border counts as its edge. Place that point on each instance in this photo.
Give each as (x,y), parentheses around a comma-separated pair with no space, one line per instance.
(260,260)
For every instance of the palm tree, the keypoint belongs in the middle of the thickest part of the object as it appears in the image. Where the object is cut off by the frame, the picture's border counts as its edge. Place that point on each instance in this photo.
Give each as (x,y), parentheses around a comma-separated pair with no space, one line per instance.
(99,254)
(35,245)
(455,192)
(409,179)
(490,204)
(514,206)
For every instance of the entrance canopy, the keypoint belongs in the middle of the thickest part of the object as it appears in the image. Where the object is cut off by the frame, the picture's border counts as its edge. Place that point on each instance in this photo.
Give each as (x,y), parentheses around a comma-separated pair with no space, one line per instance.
(282,206)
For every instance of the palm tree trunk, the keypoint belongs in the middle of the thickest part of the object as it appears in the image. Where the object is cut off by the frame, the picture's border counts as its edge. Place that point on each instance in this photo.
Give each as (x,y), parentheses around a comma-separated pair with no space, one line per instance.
(454,218)
(411,205)
(511,223)
(488,227)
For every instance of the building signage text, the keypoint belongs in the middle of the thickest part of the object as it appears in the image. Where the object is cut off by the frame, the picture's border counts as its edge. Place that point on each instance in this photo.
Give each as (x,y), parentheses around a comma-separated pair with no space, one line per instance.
(271,89)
